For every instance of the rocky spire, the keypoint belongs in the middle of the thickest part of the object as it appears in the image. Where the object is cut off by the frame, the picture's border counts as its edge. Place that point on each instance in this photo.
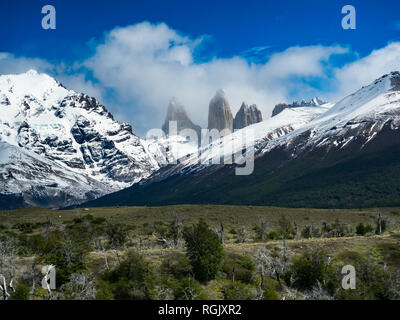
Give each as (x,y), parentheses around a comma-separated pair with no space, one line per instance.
(247,116)
(176,112)
(219,113)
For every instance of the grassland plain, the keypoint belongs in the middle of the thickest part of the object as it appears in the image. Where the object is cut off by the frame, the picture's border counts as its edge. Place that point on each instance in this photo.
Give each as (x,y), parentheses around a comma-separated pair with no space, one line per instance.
(230,216)
(144,222)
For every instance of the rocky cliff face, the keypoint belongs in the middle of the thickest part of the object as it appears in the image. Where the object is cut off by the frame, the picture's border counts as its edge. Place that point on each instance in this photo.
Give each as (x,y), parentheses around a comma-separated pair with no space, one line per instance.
(219,113)
(247,116)
(61,147)
(176,112)
(315,102)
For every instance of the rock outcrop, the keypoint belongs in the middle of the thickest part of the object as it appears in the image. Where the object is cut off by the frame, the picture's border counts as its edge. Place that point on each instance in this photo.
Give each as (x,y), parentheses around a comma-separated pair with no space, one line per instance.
(219,113)
(282,106)
(176,112)
(246,116)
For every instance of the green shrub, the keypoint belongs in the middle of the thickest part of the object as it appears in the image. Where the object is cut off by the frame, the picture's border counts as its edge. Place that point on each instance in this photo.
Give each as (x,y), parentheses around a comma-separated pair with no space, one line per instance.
(26,227)
(286,228)
(239,267)
(21,292)
(273,235)
(373,281)
(204,250)
(309,269)
(362,229)
(232,231)
(186,288)
(133,278)
(116,234)
(269,289)
(306,232)
(104,291)
(67,251)
(176,265)
(238,291)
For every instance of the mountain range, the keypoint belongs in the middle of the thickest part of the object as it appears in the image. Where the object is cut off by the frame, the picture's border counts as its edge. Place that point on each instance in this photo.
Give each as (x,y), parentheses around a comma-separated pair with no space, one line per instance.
(62,148)
(59,147)
(345,154)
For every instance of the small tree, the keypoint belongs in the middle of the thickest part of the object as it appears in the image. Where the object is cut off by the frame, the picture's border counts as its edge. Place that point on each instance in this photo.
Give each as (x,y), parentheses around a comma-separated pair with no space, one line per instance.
(133,278)
(204,250)
(381,224)
(116,235)
(310,269)
(286,228)
(242,235)
(362,229)
(261,230)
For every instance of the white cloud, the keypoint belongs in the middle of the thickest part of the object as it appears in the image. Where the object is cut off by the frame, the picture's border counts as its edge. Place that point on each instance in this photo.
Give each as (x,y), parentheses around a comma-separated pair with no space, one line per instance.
(10,63)
(301,61)
(363,71)
(78,83)
(147,64)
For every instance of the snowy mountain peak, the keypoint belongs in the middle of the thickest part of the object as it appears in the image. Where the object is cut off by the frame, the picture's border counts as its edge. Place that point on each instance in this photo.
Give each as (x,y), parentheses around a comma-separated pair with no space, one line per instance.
(73,135)
(360,115)
(32,72)
(314,102)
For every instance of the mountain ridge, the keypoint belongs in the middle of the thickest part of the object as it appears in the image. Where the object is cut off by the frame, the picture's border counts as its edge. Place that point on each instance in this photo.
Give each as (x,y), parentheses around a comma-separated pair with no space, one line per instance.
(69,130)
(345,157)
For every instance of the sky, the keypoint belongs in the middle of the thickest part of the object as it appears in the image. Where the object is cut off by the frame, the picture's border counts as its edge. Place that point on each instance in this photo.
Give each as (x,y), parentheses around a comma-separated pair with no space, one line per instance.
(134,56)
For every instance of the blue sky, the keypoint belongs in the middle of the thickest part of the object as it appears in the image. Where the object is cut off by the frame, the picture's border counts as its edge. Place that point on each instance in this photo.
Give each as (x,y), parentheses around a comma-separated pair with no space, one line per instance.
(210,42)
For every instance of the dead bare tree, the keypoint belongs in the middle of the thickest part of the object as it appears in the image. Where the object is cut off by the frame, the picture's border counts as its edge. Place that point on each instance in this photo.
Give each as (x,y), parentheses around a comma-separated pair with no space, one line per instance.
(242,235)
(317,293)
(165,242)
(379,224)
(177,224)
(173,238)
(99,246)
(68,248)
(296,230)
(272,264)
(116,236)
(221,233)
(48,227)
(8,254)
(164,293)
(80,287)
(382,223)
(290,294)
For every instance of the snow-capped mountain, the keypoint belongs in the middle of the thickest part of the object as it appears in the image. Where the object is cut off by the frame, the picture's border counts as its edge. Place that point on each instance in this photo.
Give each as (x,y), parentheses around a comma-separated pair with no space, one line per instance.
(361,115)
(256,134)
(314,102)
(187,156)
(57,142)
(346,155)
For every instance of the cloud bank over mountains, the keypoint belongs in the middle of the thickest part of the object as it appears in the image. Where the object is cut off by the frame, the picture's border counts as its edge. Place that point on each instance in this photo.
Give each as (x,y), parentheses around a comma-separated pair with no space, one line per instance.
(136,70)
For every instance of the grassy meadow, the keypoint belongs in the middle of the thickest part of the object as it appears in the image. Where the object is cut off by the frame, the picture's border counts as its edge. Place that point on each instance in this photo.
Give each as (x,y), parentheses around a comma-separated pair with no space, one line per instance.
(142,228)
